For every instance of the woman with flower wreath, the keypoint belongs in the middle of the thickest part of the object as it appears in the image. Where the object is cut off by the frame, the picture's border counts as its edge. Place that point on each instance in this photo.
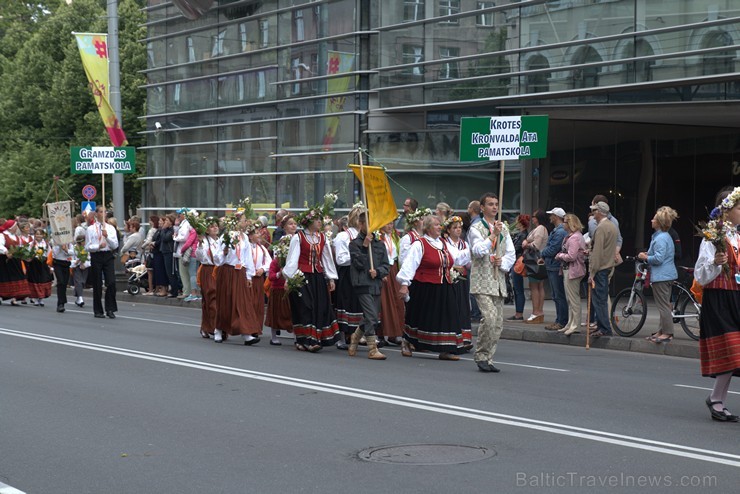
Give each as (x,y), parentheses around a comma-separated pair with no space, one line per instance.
(37,269)
(13,281)
(261,260)
(414,222)
(314,322)
(209,247)
(278,316)
(433,321)
(718,270)
(234,283)
(392,309)
(453,236)
(347,307)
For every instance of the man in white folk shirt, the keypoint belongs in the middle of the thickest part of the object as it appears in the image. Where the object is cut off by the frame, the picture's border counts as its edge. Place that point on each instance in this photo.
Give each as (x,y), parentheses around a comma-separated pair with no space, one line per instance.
(100,241)
(492,255)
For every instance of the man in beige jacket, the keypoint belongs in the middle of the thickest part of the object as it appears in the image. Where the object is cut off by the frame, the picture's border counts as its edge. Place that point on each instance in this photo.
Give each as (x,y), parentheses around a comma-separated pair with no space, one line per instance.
(601,261)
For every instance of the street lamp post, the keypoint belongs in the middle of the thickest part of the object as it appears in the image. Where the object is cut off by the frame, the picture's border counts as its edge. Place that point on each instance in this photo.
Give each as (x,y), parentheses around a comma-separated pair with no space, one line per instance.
(114,91)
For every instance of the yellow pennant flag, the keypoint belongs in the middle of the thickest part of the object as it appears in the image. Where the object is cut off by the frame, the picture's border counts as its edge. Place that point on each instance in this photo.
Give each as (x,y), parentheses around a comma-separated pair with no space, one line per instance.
(380,204)
(94,54)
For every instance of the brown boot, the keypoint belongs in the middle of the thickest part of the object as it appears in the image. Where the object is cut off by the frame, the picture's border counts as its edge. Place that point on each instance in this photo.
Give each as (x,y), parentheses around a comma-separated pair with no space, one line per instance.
(373,352)
(354,340)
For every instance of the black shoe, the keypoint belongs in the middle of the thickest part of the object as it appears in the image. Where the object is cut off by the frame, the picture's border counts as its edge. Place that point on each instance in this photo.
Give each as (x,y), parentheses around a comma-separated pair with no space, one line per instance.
(251,342)
(342,346)
(110,314)
(101,316)
(718,416)
(382,343)
(60,308)
(486,367)
(81,304)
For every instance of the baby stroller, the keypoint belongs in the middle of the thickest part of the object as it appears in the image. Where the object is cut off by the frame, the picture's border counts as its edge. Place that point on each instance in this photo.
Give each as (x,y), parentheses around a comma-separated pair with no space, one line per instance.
(137,274)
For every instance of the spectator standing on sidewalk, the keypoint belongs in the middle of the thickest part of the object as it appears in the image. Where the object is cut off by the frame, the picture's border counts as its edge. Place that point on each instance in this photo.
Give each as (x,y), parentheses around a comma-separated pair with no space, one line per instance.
(521,225)
(182,232)
(573,258)
(554,268)
(537,239)
(601,263)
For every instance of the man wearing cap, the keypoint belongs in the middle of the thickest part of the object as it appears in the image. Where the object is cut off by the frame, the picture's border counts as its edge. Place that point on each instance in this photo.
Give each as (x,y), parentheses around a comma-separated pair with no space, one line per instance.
(554,272)
(100,241)
(182,232)
(601,262)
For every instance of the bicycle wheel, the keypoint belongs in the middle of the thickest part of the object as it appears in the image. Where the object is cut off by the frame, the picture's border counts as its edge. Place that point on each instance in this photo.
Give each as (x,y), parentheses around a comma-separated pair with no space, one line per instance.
(690,325)
(627,320)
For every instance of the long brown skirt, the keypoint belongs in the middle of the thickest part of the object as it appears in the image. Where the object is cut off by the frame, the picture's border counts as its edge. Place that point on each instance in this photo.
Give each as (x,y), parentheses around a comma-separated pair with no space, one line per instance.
(257,299)
(392,308)
(233,301)
(278,310)
(208,303)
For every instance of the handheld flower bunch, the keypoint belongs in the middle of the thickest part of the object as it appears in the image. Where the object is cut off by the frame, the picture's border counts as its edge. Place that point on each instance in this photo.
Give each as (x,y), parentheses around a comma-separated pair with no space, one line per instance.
(231,231)
(197,221)
(21,252)
(39,254)
(81,253)
(294,283)
(280,249)
(456,276)
(414,216)
(717,228)
(244,207)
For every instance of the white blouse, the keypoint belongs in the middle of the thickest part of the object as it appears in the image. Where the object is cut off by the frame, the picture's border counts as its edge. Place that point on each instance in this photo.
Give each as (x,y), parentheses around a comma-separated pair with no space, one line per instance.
(261,258)
(403,248)
(464,259)
(60,255)
(390,248)
(705,271)
(294,253)
(240,254)
(208,251)
(341,246)
(415,253)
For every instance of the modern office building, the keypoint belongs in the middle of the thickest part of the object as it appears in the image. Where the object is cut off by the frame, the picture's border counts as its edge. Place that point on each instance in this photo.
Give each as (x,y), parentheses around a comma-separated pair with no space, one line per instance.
(272,99)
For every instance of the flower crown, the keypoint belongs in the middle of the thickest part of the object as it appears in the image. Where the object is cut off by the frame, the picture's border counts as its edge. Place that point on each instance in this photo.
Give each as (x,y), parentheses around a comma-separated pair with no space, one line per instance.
(726,204)
(451,221)
(413,216)
(319,211)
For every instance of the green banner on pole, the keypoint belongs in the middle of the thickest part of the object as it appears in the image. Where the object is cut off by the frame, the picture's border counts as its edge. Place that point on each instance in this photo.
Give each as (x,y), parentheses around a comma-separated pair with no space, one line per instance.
(102,159)
(503,138)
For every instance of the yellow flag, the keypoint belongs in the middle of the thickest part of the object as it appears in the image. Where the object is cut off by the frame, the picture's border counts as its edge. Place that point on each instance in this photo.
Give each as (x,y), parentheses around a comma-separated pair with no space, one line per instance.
(94,54)
(380,204)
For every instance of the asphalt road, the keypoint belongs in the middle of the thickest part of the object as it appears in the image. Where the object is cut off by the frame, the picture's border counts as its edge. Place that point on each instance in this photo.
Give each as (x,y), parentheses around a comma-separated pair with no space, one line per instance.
(143,404)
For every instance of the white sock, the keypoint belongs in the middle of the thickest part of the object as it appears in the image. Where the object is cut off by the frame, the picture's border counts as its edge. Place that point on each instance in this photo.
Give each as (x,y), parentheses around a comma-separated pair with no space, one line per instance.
(248,337)
(273,335)
(217,335)
(719,393)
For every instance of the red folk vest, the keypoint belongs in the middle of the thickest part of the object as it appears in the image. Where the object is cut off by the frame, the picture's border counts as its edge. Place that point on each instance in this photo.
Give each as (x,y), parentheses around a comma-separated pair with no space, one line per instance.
(309,260)
(725,281)
(435,264)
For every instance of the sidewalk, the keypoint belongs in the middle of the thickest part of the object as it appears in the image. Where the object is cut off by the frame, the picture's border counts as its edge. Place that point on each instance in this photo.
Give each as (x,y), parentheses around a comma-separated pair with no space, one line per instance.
(681,346)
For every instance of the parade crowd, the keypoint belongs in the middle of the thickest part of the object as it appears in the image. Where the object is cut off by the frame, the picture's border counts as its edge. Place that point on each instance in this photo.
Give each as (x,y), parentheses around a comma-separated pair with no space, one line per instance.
(418,282)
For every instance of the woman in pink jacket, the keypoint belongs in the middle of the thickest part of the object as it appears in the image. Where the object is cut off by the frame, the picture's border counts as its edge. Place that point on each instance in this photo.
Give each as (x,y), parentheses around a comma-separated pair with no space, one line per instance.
(573,258)
(189,248)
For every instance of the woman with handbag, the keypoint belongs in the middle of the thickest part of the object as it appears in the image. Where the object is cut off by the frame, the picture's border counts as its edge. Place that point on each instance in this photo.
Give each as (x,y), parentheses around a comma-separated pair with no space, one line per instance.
(573,258)
(517,280)
(533,245)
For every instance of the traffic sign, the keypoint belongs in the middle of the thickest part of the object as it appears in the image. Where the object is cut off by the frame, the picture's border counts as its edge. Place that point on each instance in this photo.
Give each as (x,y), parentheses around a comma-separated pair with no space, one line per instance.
(88,206)
(89,192)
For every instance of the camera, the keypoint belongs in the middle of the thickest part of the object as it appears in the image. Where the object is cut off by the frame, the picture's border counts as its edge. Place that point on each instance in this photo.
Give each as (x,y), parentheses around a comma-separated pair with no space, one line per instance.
(157,125)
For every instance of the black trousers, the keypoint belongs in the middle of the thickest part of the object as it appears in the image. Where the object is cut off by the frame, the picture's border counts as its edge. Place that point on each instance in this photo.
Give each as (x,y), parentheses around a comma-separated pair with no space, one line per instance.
(170,266)
(61,271)
(103,264)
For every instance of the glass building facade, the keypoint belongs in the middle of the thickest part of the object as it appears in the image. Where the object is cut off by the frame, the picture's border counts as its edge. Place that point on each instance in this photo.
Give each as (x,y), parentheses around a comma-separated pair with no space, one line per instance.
(271,99)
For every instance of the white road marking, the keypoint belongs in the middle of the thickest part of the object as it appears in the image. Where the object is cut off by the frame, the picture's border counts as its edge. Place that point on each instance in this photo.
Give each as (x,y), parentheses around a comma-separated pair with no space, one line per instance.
(497,362)
(402,401)
(699,387)
(142,319)
(7,489)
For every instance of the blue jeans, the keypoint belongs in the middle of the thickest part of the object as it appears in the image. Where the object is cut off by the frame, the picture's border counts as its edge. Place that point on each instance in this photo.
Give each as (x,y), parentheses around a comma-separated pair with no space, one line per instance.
(558,296)
(517,281)
(600,300)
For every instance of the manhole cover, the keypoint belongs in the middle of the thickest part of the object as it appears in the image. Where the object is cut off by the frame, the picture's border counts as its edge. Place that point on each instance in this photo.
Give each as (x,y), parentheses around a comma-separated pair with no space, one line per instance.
(427,454)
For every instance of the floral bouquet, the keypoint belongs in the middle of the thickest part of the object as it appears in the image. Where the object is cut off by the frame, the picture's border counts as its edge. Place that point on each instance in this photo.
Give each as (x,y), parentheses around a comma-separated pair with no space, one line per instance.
(21,252)
(231,232)
(715,232)
(294,283)
(81,253)
(456,276)
(197,221)
(245,207)
(280,249)
(39,254)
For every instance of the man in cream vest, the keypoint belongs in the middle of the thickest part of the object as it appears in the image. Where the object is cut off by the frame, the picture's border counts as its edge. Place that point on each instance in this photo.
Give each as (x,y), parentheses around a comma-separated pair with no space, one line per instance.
(492,254)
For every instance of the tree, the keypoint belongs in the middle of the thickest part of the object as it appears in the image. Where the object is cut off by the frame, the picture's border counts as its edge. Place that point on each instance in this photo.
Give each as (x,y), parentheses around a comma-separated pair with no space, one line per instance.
(46,105)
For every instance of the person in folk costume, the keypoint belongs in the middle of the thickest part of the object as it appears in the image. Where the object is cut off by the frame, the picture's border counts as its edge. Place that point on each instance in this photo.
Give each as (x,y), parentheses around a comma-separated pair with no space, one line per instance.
(13,281)
(392,309)
(62,255)
(261,260)
(100,241)
(26,239)
(433,320)
(314,322)
(38,271)
(80,268)
(718,271)
(233,286)
(493,255)
(367,281)
(453,236)
(414,221)
(209,245)
(348,308)
(278,316)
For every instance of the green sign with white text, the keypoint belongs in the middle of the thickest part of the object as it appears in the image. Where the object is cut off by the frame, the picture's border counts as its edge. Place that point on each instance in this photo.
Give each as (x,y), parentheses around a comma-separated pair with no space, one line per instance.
(503,138)
(102,159)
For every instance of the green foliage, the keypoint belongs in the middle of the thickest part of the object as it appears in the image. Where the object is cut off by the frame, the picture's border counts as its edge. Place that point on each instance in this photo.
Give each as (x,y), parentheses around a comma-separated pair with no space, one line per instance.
(46,105)
(491,65)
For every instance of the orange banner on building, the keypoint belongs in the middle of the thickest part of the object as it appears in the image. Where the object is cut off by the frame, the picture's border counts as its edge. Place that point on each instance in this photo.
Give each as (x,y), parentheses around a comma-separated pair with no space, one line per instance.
(94,54)
(380,204)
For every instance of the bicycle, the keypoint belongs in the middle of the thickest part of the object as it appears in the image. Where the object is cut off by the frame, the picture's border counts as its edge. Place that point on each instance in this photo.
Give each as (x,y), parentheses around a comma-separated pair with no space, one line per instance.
(629,310)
